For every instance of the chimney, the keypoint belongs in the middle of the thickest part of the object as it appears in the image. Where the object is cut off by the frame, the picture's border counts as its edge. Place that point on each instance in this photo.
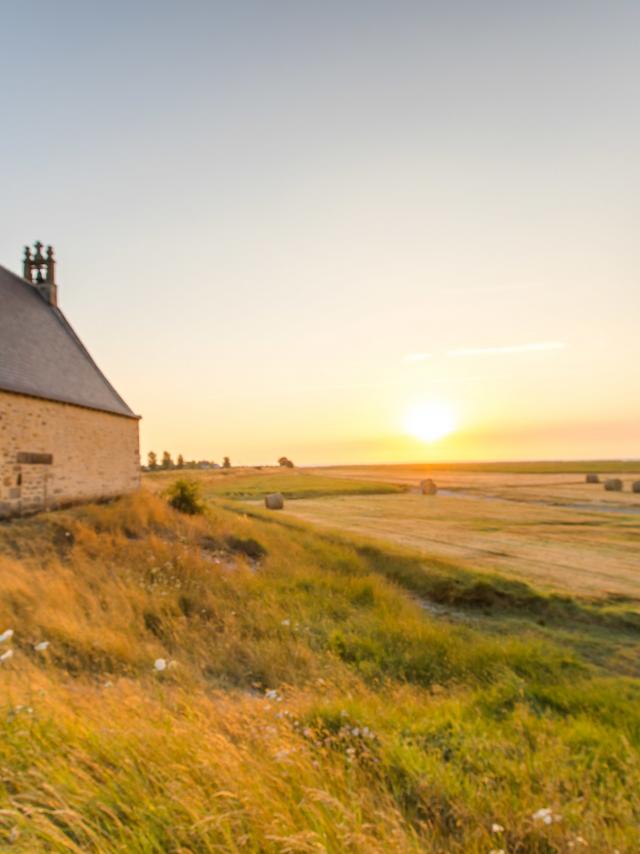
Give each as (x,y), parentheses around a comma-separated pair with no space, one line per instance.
(32,270)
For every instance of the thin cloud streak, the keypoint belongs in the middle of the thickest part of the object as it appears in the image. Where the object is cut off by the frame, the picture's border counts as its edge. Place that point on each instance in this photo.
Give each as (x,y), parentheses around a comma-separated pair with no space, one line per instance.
(488,289)
(417,357)
(500,351)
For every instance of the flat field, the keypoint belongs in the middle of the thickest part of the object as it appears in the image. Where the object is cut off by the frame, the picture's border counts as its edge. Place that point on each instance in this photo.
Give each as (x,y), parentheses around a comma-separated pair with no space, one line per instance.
(246,483)
(546,526)
(540,522)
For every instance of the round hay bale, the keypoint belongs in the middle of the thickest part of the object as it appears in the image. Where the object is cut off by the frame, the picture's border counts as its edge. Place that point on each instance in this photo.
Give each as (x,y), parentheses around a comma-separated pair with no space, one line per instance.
(274,501)
(613,485)
(428,487)
(592,478)
(635,486)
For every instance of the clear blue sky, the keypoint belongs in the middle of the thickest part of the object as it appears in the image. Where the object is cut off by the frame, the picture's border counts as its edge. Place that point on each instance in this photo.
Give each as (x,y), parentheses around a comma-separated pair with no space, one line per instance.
(261,209)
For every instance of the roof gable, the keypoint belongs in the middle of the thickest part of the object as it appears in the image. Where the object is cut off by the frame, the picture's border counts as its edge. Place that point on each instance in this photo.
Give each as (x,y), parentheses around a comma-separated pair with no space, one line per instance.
(41,355)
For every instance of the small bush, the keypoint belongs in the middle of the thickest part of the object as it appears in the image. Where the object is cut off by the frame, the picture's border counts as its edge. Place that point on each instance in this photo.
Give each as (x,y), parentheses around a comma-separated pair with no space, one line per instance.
(184,495)
(250,547)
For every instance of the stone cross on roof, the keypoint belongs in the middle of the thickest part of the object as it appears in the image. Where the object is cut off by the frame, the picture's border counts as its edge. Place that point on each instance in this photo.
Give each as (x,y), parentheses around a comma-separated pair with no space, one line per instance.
(33,267)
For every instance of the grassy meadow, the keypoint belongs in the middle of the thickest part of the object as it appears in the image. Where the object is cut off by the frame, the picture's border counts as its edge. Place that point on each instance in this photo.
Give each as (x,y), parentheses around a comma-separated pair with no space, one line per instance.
(248,483)
(241,681)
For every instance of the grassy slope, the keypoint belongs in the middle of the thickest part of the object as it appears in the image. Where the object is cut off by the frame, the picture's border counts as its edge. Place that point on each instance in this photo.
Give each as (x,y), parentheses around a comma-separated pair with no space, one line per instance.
(464,727)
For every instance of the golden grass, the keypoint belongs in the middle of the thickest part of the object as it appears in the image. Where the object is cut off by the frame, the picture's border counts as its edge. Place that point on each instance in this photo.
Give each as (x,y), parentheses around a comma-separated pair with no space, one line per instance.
(308,704)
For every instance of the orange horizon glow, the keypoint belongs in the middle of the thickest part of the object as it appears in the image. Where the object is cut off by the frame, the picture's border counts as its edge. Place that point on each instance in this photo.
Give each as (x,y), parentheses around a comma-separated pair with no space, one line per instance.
(466,444)
(460,404)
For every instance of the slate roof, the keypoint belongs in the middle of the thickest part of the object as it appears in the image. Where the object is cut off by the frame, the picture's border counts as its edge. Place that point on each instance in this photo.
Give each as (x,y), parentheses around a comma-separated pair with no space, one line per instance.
(41,355)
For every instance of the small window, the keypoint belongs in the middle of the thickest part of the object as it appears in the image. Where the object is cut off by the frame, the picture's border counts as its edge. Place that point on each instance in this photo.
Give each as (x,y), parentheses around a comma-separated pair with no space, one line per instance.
(19,480)
(35,459)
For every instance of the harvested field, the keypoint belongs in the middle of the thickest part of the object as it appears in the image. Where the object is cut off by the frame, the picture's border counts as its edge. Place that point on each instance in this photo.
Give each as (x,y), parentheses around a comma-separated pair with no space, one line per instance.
(553,529)
(551,487)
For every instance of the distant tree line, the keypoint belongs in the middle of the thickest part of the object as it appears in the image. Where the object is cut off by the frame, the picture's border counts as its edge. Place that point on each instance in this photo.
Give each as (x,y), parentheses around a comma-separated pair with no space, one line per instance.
(167,464)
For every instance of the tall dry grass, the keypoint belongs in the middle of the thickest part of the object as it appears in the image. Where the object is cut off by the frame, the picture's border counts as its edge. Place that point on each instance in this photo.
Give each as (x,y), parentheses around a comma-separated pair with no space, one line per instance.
(307,703)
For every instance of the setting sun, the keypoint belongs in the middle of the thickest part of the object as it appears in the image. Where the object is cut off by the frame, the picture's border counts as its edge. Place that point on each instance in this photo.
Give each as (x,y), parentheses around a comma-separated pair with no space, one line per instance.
(430,421)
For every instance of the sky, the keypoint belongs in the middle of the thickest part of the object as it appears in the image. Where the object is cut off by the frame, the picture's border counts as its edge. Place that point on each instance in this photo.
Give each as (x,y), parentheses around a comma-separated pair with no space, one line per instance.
(329,229)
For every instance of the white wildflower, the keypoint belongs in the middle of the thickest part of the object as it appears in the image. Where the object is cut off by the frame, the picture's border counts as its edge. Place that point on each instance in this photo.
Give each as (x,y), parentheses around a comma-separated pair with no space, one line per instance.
(497,851)
(545,815)
(541,814)
(108,684)
(6,655)
(496,828)
(160,664)
(355,731)
(42,646)
(271,694)
(285,623)
(6,635)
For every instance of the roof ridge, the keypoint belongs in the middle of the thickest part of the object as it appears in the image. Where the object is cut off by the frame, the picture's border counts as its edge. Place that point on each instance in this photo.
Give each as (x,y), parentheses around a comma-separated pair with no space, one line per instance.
(60,316)
(25,370)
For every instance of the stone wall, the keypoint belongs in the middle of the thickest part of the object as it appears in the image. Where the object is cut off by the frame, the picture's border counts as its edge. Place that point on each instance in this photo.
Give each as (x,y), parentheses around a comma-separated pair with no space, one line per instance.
(55,453)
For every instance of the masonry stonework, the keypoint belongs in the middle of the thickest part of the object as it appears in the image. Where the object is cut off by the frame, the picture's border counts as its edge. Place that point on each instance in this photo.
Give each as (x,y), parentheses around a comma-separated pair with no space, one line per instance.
(53,454)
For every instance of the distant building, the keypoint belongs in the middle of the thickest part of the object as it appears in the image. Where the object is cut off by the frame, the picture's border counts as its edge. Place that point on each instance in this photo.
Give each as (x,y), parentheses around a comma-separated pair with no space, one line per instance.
(66,435)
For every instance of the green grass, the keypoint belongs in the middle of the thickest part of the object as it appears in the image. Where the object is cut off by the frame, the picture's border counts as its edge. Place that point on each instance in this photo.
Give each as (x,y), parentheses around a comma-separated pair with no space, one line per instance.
(247,484)
(457,584)
(310,703)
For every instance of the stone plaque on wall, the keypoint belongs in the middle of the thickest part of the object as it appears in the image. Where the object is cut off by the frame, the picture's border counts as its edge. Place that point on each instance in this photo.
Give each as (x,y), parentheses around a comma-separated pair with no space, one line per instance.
(35,459)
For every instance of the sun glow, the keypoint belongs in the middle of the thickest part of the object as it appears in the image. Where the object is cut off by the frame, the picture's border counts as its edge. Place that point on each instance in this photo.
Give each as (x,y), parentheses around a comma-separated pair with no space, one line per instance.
(430,421)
